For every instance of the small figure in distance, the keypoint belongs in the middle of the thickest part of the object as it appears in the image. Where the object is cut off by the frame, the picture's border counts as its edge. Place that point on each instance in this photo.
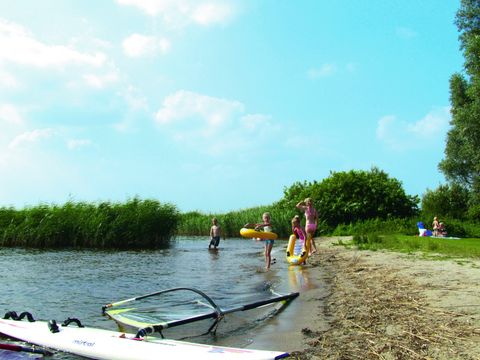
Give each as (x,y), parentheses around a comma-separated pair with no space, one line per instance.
(215,233)
(441,229)
(435,225)
(266,226)
(311,223)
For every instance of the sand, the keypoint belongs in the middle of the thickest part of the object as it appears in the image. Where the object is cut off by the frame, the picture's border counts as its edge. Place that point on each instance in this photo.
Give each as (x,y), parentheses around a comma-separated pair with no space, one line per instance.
(384,305)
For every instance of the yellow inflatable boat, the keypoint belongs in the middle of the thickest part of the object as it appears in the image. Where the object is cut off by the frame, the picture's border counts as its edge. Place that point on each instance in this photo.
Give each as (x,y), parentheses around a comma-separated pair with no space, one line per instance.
(297,250)
(252,233)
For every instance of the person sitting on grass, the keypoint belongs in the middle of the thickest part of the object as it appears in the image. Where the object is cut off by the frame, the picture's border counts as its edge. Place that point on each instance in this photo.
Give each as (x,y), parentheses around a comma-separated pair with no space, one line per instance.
(441,229)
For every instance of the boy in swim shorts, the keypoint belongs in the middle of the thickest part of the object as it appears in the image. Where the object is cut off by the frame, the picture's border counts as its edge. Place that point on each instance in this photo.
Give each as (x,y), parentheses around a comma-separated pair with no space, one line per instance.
(215,233)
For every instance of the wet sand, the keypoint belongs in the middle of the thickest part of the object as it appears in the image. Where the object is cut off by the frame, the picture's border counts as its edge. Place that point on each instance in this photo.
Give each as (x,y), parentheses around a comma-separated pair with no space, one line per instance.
(284,331)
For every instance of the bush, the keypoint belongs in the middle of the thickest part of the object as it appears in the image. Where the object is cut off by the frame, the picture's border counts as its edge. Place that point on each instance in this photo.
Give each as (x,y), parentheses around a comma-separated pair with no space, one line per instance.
(348,197)
(446,201)
(473,213)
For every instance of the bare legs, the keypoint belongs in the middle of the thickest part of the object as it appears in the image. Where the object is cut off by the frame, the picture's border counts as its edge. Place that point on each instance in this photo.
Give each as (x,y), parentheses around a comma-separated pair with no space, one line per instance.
(268,255)
(313,247)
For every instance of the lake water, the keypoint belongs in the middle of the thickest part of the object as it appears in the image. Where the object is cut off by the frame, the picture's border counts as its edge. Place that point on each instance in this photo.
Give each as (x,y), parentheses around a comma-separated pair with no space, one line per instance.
(57,284)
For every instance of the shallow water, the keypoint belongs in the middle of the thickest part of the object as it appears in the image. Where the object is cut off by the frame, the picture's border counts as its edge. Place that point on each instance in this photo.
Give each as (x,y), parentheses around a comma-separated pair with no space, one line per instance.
(57,284)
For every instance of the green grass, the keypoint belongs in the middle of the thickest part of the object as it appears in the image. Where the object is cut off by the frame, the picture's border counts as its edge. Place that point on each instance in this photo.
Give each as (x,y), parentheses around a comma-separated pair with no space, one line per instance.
(452,248)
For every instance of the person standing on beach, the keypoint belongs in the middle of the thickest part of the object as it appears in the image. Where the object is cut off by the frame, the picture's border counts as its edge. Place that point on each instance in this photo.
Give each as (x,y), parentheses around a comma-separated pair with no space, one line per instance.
(311,223)
(215,233)
(435,226)
(266,226)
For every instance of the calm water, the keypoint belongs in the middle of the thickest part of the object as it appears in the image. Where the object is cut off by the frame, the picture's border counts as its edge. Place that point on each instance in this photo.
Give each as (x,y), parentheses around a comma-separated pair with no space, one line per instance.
(61,284)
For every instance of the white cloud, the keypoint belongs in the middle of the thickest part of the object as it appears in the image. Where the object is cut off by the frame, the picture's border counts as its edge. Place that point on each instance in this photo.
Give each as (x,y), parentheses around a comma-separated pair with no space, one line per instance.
(151,7)
(8,81)
(137,103)
(401,135)
(185,105)
(135,99)
(405,33)
(101,81)
(434,123)
(31,137)
(137,45)
(214,125)
(20,47)
(30,175)
(74,144)
(212,13)
(11,124)
(9,114)
(323,71)
(179,13)
(351,67)
(385,124)
(253,122)
(164,45)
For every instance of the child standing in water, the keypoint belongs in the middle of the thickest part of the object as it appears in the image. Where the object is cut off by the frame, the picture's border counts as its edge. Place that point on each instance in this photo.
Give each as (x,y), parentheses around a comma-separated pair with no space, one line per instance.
(311,223)
(266,226)
(215,233)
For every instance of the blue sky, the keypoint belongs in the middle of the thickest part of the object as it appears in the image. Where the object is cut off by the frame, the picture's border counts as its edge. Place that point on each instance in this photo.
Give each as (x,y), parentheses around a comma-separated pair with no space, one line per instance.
(218,105)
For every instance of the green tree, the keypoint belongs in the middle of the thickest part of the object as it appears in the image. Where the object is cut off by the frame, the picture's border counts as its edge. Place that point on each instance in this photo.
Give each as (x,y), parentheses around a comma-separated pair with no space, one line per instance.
(461,164)
(348,197)
(446,201)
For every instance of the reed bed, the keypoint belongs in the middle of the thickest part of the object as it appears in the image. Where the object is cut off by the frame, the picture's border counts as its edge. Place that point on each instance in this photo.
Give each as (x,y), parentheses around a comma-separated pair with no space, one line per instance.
(198,224)
(135,224)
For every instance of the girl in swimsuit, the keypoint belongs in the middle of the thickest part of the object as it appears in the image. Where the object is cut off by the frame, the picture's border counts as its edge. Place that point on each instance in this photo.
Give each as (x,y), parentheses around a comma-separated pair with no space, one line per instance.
(311,223)
(297,229)
(268,243)
(300,235)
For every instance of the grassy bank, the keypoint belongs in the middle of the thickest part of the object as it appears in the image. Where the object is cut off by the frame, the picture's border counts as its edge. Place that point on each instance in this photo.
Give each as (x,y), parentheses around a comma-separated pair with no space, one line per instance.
(462,248)
(136,224)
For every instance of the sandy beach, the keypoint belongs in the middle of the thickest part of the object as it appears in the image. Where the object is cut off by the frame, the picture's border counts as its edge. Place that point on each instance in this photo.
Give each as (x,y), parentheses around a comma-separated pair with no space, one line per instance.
(385,305)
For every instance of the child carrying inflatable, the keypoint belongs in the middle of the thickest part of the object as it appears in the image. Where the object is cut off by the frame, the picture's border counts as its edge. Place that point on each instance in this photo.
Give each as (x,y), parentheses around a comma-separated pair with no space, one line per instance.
(298,245)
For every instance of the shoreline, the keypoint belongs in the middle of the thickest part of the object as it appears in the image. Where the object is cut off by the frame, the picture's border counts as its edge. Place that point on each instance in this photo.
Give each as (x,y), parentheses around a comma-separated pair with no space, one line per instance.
(386,305)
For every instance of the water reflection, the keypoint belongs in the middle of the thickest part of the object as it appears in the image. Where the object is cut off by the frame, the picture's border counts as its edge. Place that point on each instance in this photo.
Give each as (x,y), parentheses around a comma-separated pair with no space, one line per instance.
(299,278)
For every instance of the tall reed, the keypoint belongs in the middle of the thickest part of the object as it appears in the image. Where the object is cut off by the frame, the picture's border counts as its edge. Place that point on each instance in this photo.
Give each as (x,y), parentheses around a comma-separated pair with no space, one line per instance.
(136,224)
(196,223)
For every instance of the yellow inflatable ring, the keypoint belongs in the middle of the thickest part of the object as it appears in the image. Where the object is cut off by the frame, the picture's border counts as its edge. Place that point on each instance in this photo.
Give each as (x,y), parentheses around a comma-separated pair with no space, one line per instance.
(252,233)
(297,258)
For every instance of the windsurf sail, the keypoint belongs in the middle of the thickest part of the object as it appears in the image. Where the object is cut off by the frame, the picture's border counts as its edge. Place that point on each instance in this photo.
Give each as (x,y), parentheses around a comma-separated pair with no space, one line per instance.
(154,315)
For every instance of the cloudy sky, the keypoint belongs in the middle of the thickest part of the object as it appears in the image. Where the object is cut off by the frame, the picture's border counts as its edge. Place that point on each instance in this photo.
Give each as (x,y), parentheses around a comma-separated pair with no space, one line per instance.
(218,105)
